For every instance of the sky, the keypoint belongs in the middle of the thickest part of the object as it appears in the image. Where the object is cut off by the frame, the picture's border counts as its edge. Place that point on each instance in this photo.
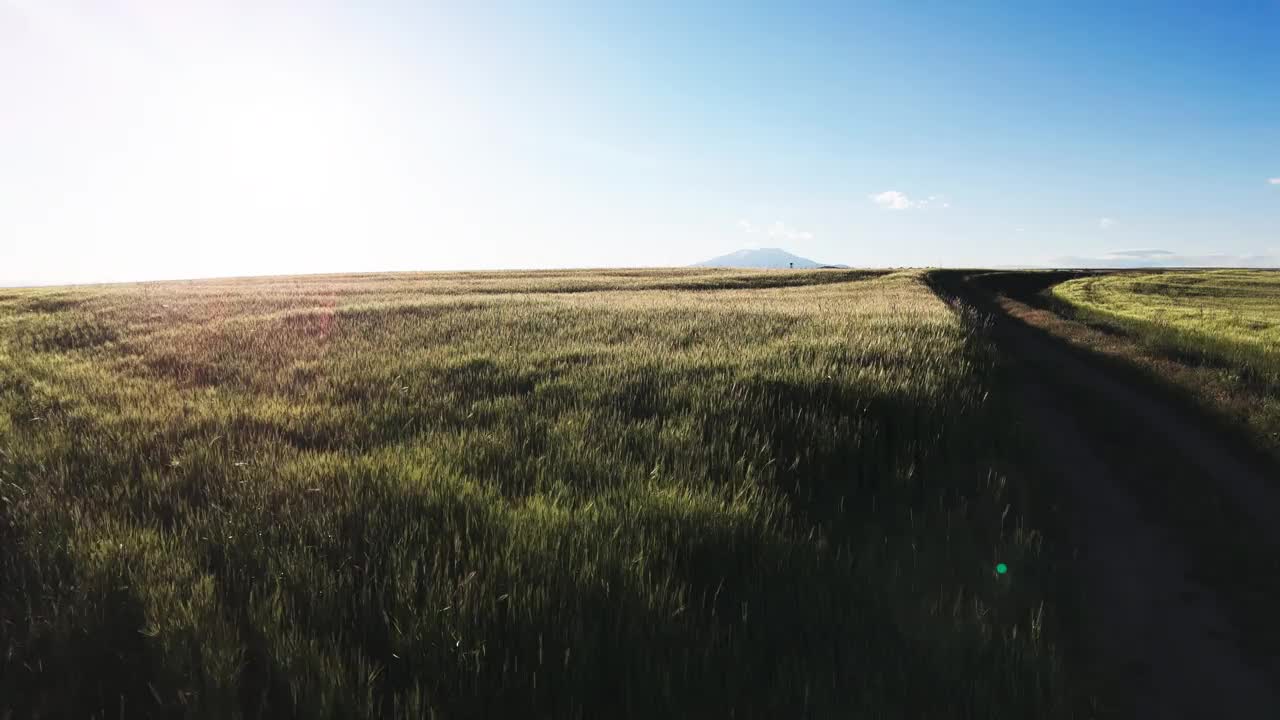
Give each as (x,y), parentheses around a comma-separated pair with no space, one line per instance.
(154,139)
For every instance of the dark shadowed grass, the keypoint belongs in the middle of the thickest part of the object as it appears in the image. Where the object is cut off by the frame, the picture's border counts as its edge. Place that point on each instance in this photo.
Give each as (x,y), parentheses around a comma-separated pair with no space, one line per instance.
(1226,548)
(640,493)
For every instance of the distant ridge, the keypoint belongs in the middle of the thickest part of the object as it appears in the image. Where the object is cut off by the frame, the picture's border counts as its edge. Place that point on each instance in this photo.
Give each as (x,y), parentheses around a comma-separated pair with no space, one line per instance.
(764,258)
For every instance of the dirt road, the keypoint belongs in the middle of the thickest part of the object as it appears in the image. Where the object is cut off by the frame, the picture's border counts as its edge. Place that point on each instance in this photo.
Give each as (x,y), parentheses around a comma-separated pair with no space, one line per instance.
(1157,636)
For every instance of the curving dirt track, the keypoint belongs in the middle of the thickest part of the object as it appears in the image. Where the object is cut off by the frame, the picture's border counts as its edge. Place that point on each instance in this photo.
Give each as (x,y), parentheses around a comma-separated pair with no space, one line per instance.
(1167,642)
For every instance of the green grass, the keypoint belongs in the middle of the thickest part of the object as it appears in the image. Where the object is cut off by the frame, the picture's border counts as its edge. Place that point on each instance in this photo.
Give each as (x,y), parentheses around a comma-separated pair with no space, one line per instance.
(575,494)
(1226,321)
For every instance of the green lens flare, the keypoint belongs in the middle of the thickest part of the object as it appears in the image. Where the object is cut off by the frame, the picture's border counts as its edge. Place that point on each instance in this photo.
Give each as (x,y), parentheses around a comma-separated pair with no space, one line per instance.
(1002,568)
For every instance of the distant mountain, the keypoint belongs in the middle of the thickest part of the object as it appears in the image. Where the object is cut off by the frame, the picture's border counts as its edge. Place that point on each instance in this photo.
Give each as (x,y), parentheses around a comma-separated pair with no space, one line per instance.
(770,258)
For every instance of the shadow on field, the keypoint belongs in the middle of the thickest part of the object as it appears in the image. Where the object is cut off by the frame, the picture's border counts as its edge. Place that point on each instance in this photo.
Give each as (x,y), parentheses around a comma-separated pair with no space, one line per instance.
(106,640)
(1171,540)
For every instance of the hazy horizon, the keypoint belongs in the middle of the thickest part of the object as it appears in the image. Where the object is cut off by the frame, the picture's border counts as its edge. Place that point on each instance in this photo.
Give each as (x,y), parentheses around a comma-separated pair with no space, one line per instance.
(146,141)
(1105,264)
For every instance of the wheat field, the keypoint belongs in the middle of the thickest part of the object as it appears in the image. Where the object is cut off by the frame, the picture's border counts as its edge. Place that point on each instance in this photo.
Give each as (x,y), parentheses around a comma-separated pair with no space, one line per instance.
(1225,324)
(556,494)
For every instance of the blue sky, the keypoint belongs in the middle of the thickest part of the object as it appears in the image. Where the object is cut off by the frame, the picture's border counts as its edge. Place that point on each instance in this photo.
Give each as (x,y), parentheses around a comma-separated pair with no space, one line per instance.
(142,139)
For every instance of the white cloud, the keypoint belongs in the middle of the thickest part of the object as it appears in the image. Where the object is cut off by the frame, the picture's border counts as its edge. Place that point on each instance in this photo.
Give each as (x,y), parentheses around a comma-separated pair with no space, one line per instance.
(897,200)
(777,231)
(781,231)
(1106,223)
(1274,181)
(892,200)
